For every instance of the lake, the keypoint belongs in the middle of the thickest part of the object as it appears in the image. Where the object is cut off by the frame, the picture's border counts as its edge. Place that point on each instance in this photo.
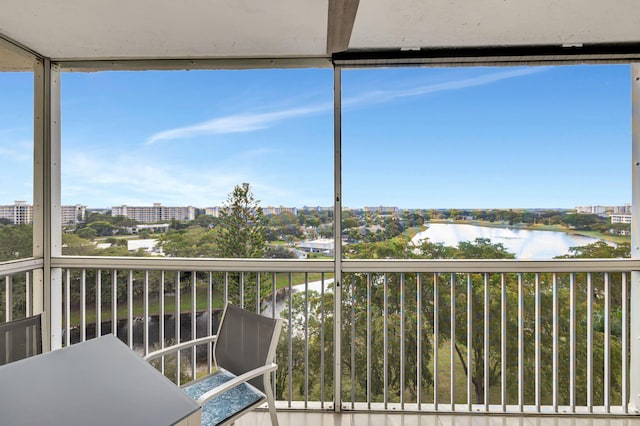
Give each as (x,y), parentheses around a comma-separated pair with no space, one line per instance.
(523,243)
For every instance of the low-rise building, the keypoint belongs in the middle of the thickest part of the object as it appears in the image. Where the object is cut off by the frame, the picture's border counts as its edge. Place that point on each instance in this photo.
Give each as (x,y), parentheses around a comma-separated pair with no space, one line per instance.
(620,218)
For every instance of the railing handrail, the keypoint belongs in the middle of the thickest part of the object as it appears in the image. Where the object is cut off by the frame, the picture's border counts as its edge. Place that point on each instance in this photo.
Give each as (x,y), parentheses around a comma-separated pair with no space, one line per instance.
(490,265)
(193,264)
(21,265)
(348,265)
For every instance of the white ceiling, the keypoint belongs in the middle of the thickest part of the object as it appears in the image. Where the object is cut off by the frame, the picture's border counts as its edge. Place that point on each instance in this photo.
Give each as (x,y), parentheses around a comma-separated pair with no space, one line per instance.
(474,23)
(171,29)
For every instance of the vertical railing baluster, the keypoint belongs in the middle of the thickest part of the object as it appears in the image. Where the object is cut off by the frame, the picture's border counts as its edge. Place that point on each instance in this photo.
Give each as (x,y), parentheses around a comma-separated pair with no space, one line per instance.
(368,340)
(226,288)
(98,303)
(114,302)
(290,338)
(419,340)
(555,344)
(520,343)
(537,341)
(67,308)
(161,319)
(8,298)
(625,345)
(589,343)
(486,342)
(306,340)
(452,343)
(273,295)
(353,342)
(503,342)
(607,344)
(194,332)
(385,342)
(241,289)
(258,293)
(436,338)
(83,305)
(209,321)
(402,337)
(130,309)
(145,330)
(322,318)
(177,323)
(572,343)
(28,290)
(273,315)
(469,343)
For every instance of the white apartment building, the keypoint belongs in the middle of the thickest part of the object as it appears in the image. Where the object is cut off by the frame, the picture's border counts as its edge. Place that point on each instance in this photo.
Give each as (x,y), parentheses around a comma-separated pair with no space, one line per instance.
(18,213)
(624,209)
(212,211)
(72,215)
(155,213)
(620,218)
(317,209)
(279,210)
(381,210)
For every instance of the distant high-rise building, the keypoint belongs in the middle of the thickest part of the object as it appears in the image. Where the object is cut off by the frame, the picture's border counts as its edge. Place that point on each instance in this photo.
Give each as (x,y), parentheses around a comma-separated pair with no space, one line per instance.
(155,213)
(317,209)
(212,211)
(604,210)
(72,215)
(279,210)
(18,213)
(381,210)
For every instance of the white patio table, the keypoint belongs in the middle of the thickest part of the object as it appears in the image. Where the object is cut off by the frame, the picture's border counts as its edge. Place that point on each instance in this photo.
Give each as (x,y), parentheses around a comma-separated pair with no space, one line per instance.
(97,382)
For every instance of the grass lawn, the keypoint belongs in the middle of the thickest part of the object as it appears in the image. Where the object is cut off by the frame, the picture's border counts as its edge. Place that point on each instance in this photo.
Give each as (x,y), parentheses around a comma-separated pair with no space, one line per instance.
(282,281)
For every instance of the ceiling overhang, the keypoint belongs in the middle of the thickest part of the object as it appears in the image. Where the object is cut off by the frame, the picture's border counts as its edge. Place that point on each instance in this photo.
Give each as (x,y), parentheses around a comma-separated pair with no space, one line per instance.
(309,33)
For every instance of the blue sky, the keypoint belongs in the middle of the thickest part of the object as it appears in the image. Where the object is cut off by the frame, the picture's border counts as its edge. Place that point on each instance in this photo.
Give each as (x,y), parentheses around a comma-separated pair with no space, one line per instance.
(412,137)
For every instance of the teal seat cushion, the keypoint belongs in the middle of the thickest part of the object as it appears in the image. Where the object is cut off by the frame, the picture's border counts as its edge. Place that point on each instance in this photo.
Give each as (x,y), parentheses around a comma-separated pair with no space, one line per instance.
(226,405)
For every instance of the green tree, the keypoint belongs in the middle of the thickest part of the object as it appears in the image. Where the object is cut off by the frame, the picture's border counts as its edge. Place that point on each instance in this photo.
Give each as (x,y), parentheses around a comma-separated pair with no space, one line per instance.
(192,242)
(241,231)
(16,241)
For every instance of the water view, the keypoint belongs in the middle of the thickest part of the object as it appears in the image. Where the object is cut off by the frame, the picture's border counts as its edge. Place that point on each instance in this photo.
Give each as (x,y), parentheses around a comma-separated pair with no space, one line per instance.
(523,243)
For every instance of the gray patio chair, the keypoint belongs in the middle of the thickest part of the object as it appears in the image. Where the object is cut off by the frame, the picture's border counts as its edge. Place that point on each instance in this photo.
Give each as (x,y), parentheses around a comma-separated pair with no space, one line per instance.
(244,350)
(20,339)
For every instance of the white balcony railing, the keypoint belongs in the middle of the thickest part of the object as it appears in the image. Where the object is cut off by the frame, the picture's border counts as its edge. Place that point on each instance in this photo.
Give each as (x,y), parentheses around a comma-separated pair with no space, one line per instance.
(17,277)
(440,336)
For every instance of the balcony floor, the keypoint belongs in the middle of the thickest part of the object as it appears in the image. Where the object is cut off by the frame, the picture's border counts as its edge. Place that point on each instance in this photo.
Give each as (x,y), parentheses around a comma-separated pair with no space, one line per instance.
(261,418)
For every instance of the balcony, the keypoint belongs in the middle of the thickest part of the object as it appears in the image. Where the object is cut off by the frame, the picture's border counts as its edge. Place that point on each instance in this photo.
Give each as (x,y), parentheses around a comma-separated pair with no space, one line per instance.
(540,337)
(378,342)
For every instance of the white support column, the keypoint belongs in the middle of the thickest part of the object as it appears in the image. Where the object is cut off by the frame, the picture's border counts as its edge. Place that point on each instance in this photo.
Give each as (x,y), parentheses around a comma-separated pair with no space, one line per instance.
(38,191)
(634,370)
(337,239)
(47,229)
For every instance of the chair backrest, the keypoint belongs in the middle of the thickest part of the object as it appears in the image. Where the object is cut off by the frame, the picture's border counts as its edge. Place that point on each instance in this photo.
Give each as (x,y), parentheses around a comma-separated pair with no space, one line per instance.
(20,339)
(245,341)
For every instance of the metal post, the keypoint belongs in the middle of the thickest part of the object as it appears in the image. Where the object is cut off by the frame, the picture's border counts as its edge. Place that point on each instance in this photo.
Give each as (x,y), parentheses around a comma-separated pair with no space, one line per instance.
(337,238)
(634,364)
(47,241)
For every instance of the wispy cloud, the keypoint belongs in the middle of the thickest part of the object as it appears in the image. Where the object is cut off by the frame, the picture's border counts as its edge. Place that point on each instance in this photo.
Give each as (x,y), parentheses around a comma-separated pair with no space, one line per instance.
(239,123)
(242,123)
(382,96)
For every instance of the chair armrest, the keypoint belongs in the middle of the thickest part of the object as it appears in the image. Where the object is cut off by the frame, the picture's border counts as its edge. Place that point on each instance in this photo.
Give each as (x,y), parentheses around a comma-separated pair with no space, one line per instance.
(178,347)
(260,371)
